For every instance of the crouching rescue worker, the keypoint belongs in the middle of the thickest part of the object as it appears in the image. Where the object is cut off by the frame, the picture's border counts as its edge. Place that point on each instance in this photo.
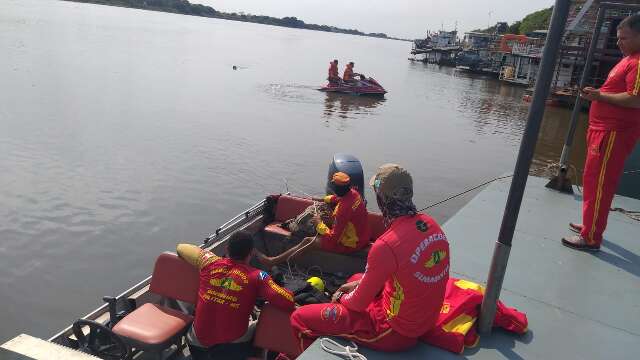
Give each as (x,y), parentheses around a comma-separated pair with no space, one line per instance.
(400,295)
(350,230)
(228,291)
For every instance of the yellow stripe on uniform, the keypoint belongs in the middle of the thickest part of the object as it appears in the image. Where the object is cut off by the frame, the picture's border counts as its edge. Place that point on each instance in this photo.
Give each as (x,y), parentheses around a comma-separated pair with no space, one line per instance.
(603,170)
(636,88)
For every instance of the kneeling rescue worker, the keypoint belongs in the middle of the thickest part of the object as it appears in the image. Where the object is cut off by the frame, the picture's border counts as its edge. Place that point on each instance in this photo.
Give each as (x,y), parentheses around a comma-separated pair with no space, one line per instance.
(350,230)
(400,295)
(228,291)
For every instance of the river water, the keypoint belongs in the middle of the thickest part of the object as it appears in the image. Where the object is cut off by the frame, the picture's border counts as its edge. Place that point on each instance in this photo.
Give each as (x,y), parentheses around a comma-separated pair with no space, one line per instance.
(125,131)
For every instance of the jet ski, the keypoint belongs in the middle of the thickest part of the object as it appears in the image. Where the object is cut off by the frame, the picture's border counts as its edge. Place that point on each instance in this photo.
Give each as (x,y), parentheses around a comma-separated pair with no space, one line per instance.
(362,86)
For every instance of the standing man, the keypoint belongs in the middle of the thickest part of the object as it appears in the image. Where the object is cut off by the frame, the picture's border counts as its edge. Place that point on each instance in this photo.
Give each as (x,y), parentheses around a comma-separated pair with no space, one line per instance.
(614,129)
(400,295)
(229,288)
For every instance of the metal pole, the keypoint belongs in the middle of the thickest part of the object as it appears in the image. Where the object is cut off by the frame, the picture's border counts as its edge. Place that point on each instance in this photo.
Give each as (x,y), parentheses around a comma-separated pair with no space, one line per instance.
(560,182)
(521,173)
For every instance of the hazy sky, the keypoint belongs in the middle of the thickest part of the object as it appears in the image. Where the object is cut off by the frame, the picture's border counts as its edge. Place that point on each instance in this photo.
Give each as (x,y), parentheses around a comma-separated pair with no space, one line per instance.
(403,18)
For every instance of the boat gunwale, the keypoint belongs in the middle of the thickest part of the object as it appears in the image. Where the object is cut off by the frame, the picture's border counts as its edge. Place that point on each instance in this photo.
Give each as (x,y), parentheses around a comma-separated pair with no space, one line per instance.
(222,233)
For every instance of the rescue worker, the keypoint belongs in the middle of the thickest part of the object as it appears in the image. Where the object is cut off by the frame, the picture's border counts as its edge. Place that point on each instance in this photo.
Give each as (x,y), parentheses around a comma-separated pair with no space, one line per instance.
(614,129)
(350,230)
(400,295)
(348,75)
(334,76)
(228,291)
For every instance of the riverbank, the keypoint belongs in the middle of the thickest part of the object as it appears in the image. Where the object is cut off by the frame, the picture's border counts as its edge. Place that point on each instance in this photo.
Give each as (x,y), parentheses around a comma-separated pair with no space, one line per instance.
(186,8)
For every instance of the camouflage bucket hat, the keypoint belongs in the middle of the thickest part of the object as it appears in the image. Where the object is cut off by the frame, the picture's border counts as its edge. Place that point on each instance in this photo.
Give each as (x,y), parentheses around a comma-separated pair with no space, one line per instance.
(392,182)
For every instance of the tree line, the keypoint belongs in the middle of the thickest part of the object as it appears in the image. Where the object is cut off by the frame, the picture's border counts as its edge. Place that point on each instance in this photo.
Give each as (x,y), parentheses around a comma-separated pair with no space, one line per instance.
(187,8)
(538,20)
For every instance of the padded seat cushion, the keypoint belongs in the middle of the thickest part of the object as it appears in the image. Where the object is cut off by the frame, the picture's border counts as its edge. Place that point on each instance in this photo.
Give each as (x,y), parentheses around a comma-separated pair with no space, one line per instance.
(290,206)
(274,228)
(152,324)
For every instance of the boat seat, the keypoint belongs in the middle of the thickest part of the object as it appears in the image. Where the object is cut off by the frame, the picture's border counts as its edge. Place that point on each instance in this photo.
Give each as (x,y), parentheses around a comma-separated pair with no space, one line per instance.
(152,324)
(153,328)
(275,229)
(274,332)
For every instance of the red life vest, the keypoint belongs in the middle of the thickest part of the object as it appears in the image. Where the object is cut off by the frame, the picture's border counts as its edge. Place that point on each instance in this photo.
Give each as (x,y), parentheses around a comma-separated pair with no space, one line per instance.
(333,71)
(348,73)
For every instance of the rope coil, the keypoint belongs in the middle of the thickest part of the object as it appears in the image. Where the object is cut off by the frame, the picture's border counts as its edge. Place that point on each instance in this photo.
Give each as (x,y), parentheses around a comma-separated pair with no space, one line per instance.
(347,352)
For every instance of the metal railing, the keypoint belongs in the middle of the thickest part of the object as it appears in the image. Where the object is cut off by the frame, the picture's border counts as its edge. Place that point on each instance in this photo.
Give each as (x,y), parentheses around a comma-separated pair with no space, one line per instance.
(221,234)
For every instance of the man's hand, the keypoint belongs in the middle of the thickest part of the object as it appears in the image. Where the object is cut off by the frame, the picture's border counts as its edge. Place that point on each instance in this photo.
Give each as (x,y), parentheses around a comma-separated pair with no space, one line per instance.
(315,220)
(345,289)
(590,93)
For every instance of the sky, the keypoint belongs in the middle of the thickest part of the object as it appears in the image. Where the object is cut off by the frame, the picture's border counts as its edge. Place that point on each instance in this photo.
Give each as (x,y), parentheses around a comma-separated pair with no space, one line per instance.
(401,18)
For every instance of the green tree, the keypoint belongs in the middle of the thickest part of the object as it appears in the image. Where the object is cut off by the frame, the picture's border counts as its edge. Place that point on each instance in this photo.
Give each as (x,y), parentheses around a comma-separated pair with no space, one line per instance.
(514,28)
(538,20)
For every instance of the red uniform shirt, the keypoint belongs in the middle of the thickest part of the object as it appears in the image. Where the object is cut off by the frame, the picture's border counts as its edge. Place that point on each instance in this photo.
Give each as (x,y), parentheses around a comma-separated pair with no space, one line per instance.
(410,264)
(624,77)
(228,291)
(350,230)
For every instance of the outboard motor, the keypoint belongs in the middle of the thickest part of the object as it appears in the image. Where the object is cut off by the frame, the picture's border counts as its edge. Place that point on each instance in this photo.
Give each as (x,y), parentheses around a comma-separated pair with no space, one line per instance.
(349,165)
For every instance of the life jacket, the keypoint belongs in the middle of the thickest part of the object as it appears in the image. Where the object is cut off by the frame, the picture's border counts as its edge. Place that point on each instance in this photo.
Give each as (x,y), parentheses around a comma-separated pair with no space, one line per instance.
(348,73)
(456,326)
(333,71)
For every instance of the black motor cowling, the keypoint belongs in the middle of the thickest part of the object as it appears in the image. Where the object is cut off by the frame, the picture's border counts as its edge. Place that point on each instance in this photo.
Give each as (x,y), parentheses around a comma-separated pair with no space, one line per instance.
(349,165)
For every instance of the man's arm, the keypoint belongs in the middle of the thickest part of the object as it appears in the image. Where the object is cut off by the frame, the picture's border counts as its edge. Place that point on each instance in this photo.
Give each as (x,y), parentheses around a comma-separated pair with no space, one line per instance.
(339,222)
(628,99)
(381,264)
(621,99)
(274,293)
(196,256)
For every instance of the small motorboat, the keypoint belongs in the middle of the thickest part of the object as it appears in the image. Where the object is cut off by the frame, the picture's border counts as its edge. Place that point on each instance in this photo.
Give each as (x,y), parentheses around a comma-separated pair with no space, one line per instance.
(362,86)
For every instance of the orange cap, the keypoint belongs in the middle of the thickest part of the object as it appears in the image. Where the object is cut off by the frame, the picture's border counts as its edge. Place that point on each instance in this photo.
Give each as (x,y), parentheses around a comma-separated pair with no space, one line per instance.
(341,178)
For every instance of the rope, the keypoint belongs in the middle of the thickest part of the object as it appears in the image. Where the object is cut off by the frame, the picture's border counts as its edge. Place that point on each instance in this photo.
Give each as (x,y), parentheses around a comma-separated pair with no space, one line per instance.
(633,215)
(464,192)
(630,214)
(347,352)
(294,253)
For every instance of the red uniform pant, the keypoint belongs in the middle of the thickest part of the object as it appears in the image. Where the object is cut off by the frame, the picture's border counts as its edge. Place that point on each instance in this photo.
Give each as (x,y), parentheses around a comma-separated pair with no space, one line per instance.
(312,321)
(606,152)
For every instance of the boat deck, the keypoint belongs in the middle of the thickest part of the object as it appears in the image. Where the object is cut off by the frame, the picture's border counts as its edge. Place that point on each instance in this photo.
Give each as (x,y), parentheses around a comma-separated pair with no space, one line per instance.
(580,305)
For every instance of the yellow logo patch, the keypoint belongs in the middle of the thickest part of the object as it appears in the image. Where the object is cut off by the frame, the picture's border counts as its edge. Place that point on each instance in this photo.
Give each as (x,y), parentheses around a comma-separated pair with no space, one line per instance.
(435,258)
(446,307)
(226,283)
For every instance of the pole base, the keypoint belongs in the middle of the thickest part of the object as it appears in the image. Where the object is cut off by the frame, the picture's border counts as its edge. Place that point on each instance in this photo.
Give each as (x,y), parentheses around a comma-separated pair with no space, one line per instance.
(561,182)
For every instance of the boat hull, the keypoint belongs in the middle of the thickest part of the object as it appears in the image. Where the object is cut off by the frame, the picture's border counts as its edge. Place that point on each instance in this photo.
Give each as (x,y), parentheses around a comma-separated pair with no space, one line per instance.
(360,87)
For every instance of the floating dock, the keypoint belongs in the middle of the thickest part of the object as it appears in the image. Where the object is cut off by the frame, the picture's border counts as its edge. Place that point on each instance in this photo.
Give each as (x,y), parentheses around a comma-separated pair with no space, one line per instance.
(580,305)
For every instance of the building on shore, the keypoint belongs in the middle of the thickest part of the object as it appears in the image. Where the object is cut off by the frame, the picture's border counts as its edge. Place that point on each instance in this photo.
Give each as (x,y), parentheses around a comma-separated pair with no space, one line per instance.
(515,58)
(520,58)
(475,55)
(440,48)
